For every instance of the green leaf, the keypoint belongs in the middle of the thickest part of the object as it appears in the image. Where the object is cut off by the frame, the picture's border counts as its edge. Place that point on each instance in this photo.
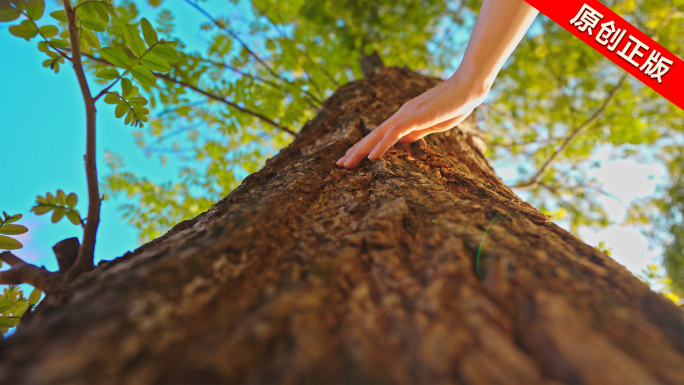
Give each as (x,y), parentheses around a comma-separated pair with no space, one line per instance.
(8,13)
(73,217)
(87,11)
(94,25)
(59,43)
(112,12)
(85,47)
(6,304)
(51,199)
(35,296)
(134,41)
(40,210)
(59,15)
(148,32)
(121,109)
(116,56)
(137,101)
(167,53)
(7,243)
(111,98)
(25,30)
(126,87)
(107,74)
(102,11)
(49,31)
(61,197)
(13,218)
(71,200)
(129,117)
(143,75)
(155,63)
(7,322)
(35,9)
(8,229)
(58,214)
(91,38)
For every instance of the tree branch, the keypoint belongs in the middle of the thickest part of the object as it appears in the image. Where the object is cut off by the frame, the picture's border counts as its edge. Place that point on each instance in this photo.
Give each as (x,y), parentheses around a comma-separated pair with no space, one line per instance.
(533,182)
(306,53)
(84,262)
(234,36)
(66,252)
(207,94)
(22,272)
(223,100)
(259,79)
(251,53)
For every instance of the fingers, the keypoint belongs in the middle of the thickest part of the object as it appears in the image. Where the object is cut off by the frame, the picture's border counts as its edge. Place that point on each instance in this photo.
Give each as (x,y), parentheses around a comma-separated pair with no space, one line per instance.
(395,133)
(361,149)
(360,152)
(440,127)
(353,148)
(436,110)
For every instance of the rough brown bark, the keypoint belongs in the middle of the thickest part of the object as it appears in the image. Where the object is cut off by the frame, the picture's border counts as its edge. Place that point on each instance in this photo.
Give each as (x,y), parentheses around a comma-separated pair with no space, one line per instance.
(307,273)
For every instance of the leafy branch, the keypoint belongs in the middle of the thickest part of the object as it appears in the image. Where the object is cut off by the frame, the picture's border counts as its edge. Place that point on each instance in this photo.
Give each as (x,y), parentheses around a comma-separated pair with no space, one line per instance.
(28,29)
(61,205)
(253,54)
(145,56)
(533,182)
(13,306)
(205,93)
(225,101)
(7,227)
(234,36)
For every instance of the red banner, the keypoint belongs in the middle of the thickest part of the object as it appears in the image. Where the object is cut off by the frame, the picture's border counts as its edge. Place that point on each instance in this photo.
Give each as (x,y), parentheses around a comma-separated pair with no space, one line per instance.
(620,42)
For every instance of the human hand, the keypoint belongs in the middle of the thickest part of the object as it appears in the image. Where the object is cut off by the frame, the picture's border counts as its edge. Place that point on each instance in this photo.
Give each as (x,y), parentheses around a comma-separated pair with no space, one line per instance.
(436,110)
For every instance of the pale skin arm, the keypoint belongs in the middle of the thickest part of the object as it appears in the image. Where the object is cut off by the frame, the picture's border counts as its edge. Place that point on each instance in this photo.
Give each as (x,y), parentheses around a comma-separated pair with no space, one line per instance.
(500,26)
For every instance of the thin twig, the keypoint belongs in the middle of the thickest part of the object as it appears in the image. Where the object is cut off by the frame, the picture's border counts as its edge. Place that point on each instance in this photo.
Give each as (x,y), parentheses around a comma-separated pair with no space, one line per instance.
(534,181)
(265,81)
(223,100)
(249,50)
(306,53)
(207,94)
(234,36)
(84,262)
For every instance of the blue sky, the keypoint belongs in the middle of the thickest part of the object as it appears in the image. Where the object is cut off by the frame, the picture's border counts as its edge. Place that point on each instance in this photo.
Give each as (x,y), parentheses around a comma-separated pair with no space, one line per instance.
(42,146)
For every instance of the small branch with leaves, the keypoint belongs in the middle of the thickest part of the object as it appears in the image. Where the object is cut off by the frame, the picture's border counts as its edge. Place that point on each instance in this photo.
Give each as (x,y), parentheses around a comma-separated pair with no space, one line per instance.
(61,205)
(77,34)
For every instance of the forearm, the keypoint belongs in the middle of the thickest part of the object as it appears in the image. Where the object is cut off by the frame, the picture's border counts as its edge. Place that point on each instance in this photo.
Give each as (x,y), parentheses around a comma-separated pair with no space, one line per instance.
(500,26)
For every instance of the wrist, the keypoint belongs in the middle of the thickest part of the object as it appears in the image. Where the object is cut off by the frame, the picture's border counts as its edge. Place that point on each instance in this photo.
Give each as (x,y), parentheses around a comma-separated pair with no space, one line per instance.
(478,85)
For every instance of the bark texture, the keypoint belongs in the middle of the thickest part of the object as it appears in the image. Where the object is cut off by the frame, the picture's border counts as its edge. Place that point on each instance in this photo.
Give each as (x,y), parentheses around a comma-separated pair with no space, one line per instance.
(308,273)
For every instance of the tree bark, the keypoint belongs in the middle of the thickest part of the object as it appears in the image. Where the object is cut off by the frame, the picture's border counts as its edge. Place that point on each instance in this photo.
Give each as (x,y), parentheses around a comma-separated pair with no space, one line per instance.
(308,273)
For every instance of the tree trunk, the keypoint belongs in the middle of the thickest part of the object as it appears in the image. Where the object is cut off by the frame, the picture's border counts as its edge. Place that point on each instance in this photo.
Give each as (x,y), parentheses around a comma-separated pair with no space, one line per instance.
(308,273)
